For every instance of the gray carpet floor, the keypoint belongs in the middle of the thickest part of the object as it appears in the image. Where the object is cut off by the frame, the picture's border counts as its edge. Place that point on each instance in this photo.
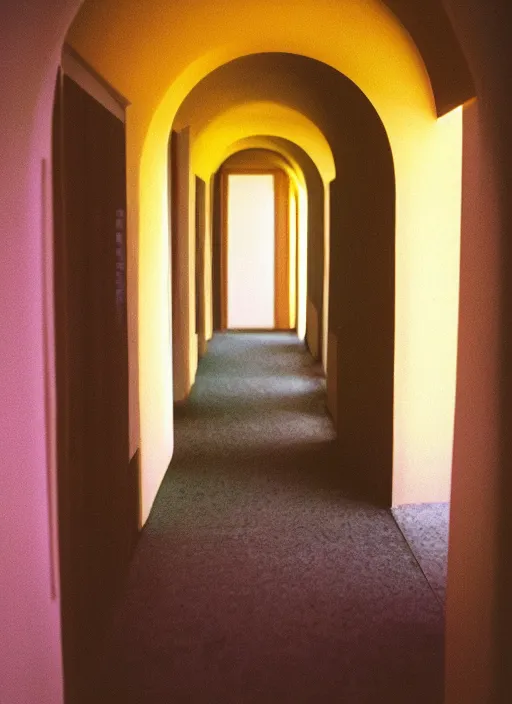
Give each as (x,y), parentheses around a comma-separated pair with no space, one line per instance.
(259,578)
(425,527)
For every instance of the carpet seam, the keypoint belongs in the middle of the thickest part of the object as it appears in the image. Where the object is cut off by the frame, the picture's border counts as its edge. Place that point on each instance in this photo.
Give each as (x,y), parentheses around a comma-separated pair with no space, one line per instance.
(438,598)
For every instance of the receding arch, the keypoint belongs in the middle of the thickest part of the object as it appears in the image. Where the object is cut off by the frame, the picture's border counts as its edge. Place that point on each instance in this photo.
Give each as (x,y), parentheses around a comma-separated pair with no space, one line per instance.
(204,149)
(39,31)
(361,324)
(313,192)
(282,148)
(390,72)
(286,185)
(317,195)
(407,387)
(258,153)
(290,156)
(261,117)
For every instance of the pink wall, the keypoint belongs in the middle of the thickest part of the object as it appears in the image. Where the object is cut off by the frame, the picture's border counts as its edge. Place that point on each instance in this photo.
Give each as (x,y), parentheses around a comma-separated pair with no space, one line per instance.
(30,661)
(480,559)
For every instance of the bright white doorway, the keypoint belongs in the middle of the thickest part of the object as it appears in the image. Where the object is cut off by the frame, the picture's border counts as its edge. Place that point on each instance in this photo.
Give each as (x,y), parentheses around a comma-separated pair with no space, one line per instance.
(251,251)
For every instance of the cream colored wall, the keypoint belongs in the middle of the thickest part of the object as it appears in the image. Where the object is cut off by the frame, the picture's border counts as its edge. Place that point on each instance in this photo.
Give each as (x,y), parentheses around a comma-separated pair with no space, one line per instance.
(426,315)
(154,337)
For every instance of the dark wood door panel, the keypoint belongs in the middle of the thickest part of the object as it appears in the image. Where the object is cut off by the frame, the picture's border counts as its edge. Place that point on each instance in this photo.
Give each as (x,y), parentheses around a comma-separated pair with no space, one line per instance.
(98,495)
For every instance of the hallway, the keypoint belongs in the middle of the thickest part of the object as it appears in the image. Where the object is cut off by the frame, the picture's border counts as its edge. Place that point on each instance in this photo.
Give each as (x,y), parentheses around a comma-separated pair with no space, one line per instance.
(259,577)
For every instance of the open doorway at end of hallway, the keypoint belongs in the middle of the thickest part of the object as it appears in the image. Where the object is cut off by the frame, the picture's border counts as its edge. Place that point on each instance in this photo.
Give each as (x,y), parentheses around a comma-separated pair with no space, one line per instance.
(255,251)
(251,235)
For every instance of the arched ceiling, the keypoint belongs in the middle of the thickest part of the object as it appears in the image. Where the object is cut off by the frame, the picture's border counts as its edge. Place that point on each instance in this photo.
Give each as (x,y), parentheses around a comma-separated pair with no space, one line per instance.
(322,95)
(139,45)
(263,144)
(155,51)
(259,118)
(431,30)
(287,79)
(298,159)
(264,158)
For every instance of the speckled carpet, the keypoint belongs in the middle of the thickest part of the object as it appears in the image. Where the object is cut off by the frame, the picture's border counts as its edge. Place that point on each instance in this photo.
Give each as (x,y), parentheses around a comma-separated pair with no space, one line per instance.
(426,528)
(259,578)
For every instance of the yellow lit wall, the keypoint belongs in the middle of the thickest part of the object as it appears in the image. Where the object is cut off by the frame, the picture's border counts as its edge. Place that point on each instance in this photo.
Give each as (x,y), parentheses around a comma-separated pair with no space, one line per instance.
(155,352)
(426,317)
(155,55)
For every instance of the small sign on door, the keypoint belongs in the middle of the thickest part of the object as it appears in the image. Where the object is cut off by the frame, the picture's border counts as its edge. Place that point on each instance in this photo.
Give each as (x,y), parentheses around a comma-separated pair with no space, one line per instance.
(120,263)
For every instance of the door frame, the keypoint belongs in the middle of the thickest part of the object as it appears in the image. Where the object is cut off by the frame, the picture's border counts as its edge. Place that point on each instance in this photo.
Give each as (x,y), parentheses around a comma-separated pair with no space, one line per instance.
(125,478)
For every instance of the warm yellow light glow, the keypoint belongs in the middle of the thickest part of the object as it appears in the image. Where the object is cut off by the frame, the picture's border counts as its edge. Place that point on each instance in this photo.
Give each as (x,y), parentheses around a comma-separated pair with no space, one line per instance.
(155,54)
(155,344)
(272,144)
(426,317)
(211,145)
